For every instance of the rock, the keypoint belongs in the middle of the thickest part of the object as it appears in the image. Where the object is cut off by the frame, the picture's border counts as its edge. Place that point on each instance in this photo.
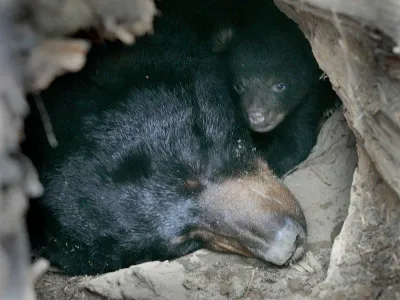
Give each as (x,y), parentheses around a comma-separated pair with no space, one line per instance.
(237,288)
(148,281)
(294,284)
(328,172)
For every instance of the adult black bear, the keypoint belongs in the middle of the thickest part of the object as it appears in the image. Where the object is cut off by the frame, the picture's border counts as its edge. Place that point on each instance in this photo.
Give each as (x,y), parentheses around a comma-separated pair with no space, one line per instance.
(277,81)
(154,161)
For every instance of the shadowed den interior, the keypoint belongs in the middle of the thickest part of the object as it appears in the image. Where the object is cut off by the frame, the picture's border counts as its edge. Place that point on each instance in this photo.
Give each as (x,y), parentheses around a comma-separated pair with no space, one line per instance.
(179,142)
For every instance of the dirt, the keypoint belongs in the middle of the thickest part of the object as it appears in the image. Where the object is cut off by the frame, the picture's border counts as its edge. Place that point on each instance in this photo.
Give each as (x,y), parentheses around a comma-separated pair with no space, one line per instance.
(365,262)
(322,185)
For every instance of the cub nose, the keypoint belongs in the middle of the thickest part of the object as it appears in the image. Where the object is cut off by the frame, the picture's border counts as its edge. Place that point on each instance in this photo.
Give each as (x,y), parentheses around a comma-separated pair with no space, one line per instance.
(256,117)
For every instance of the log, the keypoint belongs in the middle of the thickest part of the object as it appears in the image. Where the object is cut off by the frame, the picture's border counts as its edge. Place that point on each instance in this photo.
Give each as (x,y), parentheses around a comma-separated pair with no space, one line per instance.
(357,46)
(347,52)
(18,179)
(364,258)
(32,53)
(377,15)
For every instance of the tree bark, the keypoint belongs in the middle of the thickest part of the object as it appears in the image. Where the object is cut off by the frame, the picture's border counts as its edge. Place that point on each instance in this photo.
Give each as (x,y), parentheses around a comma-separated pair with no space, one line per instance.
(352,56)
(32,54)
(356,45)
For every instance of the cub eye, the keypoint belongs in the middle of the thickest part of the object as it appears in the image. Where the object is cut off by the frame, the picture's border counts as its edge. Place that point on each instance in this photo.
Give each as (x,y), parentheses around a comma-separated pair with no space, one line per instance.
(279,87)
(238,88)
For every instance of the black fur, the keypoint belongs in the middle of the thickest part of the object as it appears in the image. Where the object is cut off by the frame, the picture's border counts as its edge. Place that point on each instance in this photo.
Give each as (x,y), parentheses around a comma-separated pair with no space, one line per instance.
(132,128)
(276,79)
(291,141)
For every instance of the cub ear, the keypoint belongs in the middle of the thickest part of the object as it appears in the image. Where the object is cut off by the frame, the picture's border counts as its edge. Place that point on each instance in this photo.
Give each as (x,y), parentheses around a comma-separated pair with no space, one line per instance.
(222,38)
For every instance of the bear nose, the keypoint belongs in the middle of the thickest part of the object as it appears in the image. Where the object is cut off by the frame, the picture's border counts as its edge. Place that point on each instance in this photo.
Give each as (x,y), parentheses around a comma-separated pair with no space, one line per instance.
(256,117)
(300,246)
(288,243)
(300,238)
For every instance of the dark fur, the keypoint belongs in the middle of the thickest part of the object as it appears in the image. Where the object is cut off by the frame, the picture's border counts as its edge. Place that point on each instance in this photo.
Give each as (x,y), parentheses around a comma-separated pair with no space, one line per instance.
(291,141)
(262,53)
(134,128)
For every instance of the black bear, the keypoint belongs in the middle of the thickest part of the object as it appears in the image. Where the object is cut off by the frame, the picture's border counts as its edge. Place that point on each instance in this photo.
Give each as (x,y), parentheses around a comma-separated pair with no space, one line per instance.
(154,161)
(276,79)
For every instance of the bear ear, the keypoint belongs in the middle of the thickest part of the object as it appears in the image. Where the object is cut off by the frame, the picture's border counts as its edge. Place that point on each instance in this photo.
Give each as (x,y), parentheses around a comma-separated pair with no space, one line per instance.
(222,38)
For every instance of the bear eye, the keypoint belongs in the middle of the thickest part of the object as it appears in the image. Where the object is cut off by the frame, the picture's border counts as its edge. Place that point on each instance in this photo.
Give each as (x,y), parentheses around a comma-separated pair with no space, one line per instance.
(279,87)
(238,88)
